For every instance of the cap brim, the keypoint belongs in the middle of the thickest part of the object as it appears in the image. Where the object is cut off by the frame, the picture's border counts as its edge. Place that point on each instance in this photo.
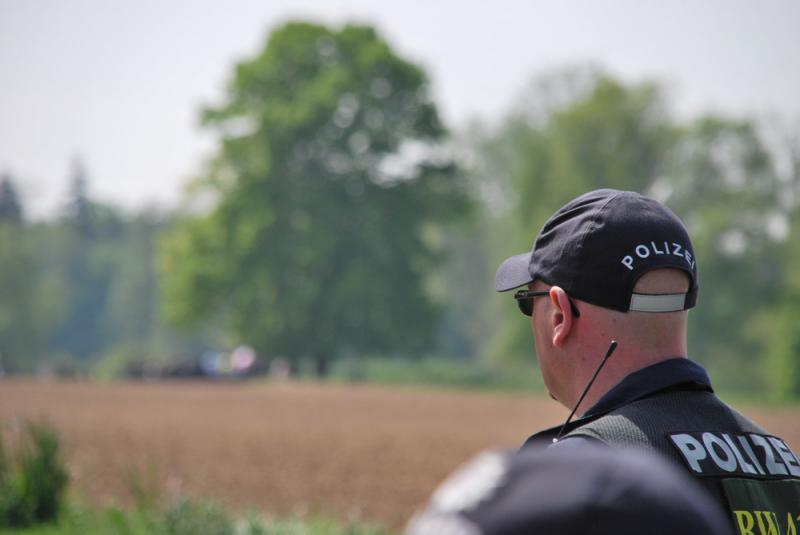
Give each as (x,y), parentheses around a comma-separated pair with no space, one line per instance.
(513,273)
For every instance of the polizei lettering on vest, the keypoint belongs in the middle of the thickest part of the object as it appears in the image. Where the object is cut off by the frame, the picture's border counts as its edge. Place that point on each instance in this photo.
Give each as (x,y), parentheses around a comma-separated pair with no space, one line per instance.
(644,250)
(722,454)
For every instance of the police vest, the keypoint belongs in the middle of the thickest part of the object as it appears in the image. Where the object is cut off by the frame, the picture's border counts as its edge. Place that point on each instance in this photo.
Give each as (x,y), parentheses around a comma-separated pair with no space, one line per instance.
(754,475)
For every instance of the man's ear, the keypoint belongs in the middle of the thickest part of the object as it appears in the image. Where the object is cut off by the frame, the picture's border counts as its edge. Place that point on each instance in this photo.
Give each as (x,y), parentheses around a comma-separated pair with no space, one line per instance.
(561,315)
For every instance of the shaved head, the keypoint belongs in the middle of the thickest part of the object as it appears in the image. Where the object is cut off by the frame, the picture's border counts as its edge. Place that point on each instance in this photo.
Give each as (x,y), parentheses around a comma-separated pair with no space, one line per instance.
(662,281)
(659,334)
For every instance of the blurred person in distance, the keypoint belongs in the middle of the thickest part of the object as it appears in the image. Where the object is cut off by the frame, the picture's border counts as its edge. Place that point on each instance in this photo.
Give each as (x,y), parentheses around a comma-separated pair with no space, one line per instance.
(607,288)
(589,489)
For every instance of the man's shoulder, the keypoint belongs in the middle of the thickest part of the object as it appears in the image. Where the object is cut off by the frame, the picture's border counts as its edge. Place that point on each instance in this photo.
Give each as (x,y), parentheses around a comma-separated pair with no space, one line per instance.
(653,417)
(649,419)
(577,443)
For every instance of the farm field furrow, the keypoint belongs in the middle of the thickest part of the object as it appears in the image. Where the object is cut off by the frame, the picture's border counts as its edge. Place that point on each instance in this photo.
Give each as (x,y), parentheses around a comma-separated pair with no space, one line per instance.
(350,451)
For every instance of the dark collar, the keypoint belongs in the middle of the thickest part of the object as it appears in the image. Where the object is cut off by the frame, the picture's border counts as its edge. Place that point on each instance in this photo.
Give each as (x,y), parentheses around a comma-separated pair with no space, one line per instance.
(668,375)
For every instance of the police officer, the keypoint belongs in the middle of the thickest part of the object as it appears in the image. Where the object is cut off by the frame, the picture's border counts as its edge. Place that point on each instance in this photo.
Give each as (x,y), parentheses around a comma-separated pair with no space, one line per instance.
(566,491)
(607,287)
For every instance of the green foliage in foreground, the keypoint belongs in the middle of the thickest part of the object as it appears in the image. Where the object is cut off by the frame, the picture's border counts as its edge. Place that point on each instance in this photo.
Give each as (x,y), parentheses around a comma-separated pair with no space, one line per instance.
(32,480)
(32,501)
(186,517)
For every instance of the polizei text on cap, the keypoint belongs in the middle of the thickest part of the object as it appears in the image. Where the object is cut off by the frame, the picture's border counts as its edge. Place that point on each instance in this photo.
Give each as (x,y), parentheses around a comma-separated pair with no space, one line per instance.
(646,250)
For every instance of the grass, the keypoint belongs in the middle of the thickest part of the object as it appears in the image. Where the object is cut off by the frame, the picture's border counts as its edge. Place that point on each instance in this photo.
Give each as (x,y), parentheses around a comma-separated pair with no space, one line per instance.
(440,372)
(185,517)
(33,481)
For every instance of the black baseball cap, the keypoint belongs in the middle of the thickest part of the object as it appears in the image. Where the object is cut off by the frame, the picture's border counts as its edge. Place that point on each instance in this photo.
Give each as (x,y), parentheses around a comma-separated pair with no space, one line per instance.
(584,489)
(598,245)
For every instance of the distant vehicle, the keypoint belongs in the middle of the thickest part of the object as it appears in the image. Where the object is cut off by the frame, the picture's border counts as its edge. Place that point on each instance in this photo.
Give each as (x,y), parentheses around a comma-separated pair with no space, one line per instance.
(240,363)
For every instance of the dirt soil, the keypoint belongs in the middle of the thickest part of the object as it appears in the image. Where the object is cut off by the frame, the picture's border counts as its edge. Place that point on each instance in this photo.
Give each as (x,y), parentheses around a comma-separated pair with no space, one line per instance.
(351,451)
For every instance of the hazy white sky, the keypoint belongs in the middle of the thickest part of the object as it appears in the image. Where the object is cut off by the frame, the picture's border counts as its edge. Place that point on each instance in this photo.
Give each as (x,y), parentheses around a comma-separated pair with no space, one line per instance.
(120,83)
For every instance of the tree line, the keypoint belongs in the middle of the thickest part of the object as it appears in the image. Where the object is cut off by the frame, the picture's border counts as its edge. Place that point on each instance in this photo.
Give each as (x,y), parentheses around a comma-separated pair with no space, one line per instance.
(340,218)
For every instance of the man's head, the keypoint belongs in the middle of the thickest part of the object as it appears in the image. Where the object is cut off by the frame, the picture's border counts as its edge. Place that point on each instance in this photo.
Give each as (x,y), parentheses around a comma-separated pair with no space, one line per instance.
(614,265)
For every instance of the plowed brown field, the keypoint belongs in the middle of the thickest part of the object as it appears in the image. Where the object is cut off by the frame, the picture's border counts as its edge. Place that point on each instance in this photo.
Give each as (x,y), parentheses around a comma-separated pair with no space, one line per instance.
(286,448)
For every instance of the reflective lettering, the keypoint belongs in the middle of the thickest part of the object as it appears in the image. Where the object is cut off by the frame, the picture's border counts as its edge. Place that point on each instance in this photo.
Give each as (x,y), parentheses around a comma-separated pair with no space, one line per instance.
(772,522)
(768,523)
(791,527)
(692,450)
(745,522)
(628,262)
(729,463)
(746,467)
(749,451)
(644,250)
(787,455)
(773,467)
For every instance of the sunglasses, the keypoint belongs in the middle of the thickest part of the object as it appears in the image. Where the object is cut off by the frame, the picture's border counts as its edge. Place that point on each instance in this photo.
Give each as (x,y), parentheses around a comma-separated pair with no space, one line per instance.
(525,301)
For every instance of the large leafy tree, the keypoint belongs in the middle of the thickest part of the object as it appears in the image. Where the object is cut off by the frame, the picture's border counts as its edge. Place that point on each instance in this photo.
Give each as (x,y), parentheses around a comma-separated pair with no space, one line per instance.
(329,176)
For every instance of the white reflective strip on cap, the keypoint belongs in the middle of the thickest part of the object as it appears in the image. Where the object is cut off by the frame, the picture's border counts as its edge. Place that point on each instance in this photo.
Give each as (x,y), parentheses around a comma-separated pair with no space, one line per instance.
(657,303)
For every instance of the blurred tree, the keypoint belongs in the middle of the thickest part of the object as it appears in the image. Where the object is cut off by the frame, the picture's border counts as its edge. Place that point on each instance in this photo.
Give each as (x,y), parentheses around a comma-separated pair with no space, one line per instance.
(88,278)
(10,207)
(599,133)
(777,328)
(134,319)
(84,263)
(580,129)
(20,330)
(78,210)
(133,294)
(724,185)
(329,176)
(98,291)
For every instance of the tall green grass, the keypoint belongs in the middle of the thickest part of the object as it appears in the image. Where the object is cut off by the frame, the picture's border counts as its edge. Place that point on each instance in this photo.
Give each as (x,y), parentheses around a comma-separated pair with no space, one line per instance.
(33,479)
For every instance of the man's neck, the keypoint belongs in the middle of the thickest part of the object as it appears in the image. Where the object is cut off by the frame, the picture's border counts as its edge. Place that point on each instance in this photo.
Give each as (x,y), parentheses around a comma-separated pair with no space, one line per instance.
(618,367)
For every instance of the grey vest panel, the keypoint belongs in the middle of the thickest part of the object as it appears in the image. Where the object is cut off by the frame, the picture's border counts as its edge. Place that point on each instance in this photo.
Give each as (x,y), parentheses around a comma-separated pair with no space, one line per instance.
(647,422)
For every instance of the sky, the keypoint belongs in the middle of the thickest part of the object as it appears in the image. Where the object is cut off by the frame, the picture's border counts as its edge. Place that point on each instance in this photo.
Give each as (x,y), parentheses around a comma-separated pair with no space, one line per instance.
(119,84)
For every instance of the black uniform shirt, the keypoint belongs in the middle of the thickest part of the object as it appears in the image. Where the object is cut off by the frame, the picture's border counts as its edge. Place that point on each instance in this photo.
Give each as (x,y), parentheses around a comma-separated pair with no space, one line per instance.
(670,407)
(668,375)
